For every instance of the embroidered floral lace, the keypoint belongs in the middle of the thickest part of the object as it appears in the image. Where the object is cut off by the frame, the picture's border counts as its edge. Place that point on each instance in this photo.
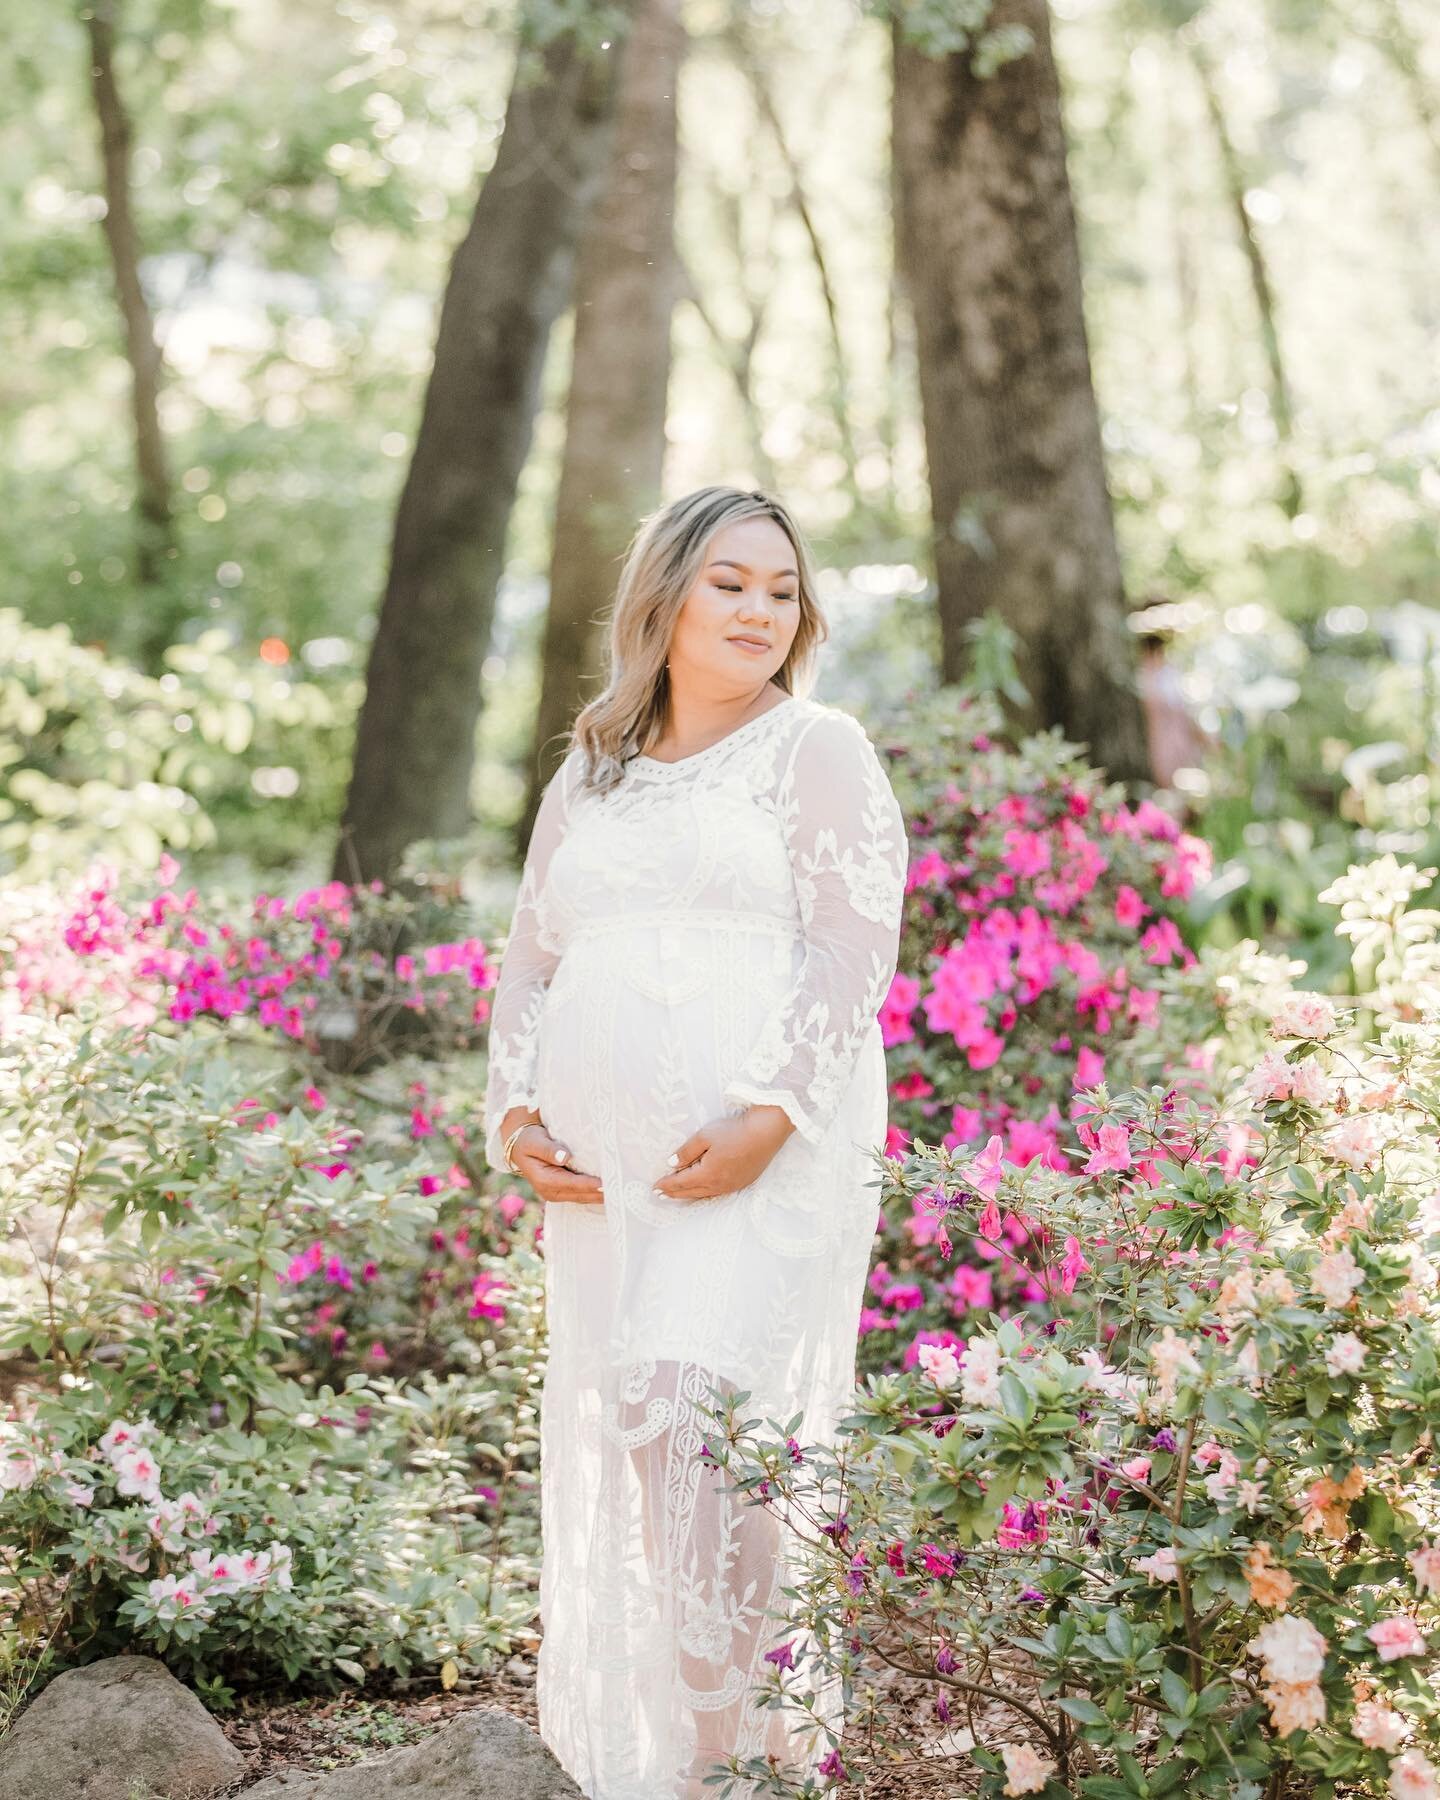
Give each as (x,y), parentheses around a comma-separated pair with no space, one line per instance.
(713,933)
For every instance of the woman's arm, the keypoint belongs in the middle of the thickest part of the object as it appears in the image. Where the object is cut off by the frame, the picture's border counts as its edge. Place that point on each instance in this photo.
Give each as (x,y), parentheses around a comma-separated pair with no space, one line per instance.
(530,960)
(849,856)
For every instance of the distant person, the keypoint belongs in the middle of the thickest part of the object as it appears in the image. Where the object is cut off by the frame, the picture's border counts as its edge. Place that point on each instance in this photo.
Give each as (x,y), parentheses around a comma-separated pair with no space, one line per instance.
(686,1065)
(1174,735)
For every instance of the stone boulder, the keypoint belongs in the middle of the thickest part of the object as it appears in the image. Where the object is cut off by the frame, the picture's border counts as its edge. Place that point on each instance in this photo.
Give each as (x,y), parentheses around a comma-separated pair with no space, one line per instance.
(112,1728)
(481,1755)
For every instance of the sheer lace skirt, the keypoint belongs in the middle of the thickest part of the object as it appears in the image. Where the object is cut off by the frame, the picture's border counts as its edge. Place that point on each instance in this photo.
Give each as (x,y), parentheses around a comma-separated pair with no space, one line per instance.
(658,1588)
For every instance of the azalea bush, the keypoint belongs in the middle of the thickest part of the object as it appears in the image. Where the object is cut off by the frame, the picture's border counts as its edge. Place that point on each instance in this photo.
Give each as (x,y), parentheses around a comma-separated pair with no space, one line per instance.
(252,1319)
(1181,1532)
(1040,921)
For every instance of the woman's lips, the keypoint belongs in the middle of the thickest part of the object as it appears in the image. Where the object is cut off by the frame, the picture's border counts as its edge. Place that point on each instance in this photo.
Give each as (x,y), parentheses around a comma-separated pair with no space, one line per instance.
(756,646)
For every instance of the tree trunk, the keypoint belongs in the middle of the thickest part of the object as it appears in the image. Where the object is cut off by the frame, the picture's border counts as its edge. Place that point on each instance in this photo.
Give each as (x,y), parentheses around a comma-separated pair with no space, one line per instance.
(625,289)
(509,280)
(153,538)
(991,264)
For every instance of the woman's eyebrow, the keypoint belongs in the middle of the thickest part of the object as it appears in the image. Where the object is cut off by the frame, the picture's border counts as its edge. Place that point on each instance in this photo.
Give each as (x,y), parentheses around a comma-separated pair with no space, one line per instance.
(724,562)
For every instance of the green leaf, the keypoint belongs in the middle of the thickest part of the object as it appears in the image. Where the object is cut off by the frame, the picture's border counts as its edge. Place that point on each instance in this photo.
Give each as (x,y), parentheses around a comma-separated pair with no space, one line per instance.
(1119,1635)
(1177,1692)
(1085,1711)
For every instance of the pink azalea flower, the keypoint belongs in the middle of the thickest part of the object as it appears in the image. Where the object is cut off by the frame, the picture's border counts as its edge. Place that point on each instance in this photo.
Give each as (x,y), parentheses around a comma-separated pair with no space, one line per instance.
(1112,1151)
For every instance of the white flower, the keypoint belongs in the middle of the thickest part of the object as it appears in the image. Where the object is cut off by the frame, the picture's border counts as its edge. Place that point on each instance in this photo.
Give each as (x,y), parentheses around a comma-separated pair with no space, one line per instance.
(1174,1358)
(177,1596)
(17,1469)
(1103,1378)
(219,1572)
(122,1436)
(1292,1650)
(1335,1278)
(1413,1777)
(137,1472)
(1248,1363)
(1026,1770)
(1355,1141)
(980,1373)
(1344,1354)
(77,1494)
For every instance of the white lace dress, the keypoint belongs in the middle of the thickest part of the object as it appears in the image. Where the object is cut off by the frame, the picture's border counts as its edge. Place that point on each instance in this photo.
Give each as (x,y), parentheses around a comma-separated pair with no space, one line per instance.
(712,933)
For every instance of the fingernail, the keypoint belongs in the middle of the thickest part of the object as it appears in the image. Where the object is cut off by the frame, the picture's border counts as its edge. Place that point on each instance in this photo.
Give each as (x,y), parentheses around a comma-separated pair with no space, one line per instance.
(674,1160)
(560,1155)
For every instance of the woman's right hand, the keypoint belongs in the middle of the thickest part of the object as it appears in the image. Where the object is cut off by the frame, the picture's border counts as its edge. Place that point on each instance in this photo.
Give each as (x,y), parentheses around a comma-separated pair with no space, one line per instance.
(544,1162)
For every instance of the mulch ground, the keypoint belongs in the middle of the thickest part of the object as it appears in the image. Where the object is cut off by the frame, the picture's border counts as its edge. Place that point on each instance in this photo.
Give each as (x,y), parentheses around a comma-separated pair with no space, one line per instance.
(328,1733)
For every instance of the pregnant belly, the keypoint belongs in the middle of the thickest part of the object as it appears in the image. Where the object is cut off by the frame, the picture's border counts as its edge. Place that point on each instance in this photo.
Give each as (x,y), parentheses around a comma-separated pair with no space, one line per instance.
(641,1031)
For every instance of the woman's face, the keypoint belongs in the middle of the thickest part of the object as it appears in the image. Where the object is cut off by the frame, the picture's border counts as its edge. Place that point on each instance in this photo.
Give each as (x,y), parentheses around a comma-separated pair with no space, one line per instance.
(740,618)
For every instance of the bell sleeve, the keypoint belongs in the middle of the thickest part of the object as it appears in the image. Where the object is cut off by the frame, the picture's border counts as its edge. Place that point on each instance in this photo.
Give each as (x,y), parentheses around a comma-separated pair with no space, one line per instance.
(849,857)
(530,958)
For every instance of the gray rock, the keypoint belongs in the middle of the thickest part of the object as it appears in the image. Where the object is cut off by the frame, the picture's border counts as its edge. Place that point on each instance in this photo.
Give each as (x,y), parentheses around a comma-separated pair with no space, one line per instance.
(481,1755)
(114,1728)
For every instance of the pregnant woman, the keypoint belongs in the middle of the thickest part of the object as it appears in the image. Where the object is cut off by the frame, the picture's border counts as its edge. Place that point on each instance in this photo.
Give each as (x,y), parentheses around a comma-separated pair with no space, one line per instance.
(686,1065)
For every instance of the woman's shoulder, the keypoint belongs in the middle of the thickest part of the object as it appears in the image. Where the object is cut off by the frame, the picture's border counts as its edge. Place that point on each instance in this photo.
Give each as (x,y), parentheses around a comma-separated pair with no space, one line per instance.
(819,727)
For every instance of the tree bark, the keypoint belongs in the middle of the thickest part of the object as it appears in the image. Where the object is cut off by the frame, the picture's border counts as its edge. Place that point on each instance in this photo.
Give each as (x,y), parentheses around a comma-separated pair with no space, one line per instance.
(625,290)
(154,535)
(991,263)
(509,280)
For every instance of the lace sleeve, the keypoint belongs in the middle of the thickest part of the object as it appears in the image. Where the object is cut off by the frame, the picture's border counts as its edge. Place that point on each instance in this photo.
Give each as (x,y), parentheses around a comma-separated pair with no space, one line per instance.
(529,961)
(849,856)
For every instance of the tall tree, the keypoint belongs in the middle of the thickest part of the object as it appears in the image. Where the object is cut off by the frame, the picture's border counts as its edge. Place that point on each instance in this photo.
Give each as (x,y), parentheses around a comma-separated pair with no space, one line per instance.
(990,259)
(625,291)
(154,518)
(509,280)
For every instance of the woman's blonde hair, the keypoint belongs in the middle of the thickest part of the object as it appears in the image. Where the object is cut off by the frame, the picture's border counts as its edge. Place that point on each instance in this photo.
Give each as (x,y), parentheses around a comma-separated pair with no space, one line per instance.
(661,566)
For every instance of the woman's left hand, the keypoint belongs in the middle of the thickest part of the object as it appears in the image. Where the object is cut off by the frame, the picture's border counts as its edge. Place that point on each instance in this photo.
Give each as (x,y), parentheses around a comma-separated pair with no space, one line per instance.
(726,1154)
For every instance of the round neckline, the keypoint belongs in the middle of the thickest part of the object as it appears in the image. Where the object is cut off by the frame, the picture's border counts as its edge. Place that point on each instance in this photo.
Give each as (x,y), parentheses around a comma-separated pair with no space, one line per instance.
(681,762)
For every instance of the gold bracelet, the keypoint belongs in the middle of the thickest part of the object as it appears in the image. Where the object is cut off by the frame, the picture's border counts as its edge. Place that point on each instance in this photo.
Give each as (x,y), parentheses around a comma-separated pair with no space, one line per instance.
(507,1145)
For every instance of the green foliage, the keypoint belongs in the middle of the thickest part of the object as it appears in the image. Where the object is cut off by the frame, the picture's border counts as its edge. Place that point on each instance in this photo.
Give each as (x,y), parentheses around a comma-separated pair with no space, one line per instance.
(1182,1534)
(161,1193)
(100,758)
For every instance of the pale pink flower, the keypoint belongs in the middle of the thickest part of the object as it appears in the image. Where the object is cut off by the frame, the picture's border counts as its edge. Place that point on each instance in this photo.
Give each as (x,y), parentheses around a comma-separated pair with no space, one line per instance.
(1335,1279)
(1276,1285)
(1173,1358)
(1377,1728)
(1345,1354)
(1026,1771)
(1273,1078)
(1425,1562)
(1159,1567)
(137,1472)
(1303,1016)
(1396,1637)
(1355,1141)
(980,1373)
(1292,1650)
(79,1495)
(939,1363)
(1412,1777)
(1295,1706)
